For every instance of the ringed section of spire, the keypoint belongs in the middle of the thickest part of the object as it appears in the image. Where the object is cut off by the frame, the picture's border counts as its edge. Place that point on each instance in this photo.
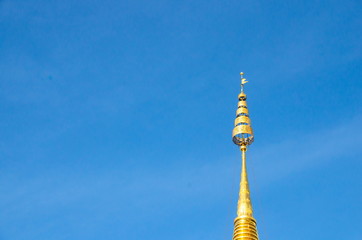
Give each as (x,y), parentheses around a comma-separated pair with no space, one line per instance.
(242,132)
(245,229)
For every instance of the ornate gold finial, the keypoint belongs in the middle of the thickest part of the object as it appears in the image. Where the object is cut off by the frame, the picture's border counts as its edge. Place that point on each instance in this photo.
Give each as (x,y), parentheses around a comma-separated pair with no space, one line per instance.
(242,133)
(243,81)
(244,224)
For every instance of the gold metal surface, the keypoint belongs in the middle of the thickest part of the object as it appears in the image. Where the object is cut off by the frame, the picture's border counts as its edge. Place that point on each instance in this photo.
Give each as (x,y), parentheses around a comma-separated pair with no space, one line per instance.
(244,223)
(244,203)
(241,103)
(241,96)
(245,228)
(241,119)
(242,110)
(242,129)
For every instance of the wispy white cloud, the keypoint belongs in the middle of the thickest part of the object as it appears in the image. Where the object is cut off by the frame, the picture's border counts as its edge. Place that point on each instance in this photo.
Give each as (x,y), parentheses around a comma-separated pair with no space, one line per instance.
(268,164)
(170,190)
(303,152)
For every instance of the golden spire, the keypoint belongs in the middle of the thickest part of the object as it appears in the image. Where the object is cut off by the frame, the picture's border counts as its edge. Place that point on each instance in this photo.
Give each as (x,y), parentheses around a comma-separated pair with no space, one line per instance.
(244,223)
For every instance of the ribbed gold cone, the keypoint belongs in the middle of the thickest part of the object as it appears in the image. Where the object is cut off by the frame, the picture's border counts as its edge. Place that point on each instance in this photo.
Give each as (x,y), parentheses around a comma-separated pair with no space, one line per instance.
(245,228)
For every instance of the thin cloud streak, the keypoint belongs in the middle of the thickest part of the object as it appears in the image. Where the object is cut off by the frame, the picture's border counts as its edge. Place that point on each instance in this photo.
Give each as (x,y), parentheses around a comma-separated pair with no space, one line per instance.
(103,197)
(303,152)
(206,182)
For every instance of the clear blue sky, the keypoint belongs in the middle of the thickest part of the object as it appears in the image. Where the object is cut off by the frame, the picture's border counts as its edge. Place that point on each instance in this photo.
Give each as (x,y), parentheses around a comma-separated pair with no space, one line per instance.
(116,118)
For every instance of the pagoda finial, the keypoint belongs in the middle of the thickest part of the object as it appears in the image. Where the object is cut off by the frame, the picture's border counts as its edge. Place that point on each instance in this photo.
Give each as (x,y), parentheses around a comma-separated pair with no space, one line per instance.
(243,81)
(242,133)
(244,224)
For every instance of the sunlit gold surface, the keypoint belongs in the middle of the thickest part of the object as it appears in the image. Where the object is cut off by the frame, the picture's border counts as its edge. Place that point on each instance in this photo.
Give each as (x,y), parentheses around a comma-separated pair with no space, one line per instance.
(244,203)
(242,132)
(244,223)
(241,110)
(241,96)
(245,228)
(241,119)
(242,129)
(242,103)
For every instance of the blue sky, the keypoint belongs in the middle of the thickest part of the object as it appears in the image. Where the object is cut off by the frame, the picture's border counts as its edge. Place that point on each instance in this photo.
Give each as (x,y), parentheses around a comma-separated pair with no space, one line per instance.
(116,118)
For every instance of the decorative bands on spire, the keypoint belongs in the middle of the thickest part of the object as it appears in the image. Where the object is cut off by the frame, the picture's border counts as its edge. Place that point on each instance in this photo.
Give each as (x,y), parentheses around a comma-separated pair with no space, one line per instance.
(244,224)
(242,133)
(245,228)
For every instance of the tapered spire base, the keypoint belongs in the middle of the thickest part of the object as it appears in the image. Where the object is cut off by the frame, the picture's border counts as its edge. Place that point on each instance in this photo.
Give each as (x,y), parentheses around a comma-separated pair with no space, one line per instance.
(244,223)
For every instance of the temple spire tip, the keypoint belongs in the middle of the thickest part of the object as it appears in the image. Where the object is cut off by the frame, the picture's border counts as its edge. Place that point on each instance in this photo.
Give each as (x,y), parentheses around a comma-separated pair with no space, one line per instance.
(243,136)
